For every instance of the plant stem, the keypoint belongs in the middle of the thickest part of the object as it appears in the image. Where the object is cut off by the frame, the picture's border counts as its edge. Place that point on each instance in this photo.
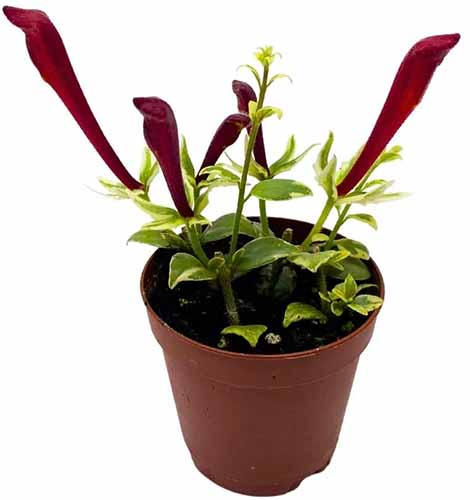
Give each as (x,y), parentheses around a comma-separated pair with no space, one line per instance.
(339,223)
(263,216)
(249,151)
(319,224)
(196,244)
(323,288)
(344,213)
(225,281)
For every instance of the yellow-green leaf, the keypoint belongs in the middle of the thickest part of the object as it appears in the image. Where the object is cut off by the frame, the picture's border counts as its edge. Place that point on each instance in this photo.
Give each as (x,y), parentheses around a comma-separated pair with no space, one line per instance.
(298,311)
(251,333)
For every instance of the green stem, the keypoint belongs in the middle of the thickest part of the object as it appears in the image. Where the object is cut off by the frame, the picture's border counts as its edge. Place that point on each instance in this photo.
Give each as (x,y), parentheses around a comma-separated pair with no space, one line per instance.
(263,217)
(319,224)
(344,213)
(249,151)
(225,281)
(196,244)
(339,223)
(323,288)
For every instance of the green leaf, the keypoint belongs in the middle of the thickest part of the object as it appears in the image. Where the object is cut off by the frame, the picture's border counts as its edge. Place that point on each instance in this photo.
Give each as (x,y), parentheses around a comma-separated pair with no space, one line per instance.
(350,287)
(386,156)
(364,304)
(323,155)
(223,227)
(148,169)
(216,262)
(297,311)
(186,267)
(286,155)
(339,292)
(202,200)
(280,189)
(382,198)
(254,72)
(186,162)
(280,167)
(251,333)
(187,169)
(160,239)
(278,77)
(325,169)
(257,171)
(236,167)
(267,111)
(163,224)
(153,210)
(326,178)
(165,217)
(218,182)
(367,195)
(355,248)
(361,195)
(365,218)
(347,166)
(198,220)
(312,261)
(220,170)
(378,183)
(261,252)
(357,268)
(337,260)
(366,285)
(320,237)
(337,308)
(115,189)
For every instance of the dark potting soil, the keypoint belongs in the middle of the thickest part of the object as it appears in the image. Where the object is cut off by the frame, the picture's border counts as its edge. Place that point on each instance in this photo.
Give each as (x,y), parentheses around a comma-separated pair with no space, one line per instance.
(197,310)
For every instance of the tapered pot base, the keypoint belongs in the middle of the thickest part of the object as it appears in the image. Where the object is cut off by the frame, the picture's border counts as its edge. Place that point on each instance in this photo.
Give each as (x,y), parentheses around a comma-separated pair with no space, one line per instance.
(267,490)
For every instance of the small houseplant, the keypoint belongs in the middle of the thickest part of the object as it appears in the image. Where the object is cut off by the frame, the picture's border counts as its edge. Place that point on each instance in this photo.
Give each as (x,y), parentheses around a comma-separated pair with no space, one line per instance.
(261,320)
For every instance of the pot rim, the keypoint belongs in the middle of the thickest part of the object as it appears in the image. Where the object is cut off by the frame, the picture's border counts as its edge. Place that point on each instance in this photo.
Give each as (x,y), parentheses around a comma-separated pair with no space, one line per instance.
(294,355)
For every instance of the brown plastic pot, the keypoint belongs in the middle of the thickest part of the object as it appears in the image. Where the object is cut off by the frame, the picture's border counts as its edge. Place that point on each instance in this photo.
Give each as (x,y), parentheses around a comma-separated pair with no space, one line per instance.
(260,424)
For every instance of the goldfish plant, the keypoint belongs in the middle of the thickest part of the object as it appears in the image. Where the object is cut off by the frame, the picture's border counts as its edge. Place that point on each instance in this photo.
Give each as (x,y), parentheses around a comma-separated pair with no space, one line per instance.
(226,250)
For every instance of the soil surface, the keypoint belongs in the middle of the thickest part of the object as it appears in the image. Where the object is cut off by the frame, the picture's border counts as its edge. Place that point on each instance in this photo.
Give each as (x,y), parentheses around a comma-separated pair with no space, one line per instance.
(196,309)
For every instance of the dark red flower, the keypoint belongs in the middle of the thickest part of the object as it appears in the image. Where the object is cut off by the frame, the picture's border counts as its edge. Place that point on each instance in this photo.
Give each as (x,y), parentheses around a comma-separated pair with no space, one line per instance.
(408,88)
(225,136)
(245,94)
(48,54)
(161,135)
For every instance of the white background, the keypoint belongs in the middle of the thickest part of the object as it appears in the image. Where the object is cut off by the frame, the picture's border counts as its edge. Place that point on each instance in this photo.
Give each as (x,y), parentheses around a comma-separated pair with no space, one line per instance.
(85,405)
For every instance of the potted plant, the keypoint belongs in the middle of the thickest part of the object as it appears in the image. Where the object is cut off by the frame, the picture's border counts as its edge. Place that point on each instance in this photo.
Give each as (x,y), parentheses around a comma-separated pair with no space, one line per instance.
(261,320)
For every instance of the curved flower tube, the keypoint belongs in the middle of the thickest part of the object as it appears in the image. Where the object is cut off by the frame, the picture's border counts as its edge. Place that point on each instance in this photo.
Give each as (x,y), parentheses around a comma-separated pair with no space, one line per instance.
(227,133)
(47,51)
(408,88)
(245,94)
(161,135)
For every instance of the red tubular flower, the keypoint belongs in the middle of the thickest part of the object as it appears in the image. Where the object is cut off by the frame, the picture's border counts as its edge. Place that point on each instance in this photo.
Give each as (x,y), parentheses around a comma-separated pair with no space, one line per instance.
(408,88)
(225,136)
(161,135)
(245,94)
(48,54)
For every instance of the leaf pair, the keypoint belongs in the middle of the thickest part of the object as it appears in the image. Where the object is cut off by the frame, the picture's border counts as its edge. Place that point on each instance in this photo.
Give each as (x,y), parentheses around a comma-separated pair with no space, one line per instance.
(345,295)
(373,192)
